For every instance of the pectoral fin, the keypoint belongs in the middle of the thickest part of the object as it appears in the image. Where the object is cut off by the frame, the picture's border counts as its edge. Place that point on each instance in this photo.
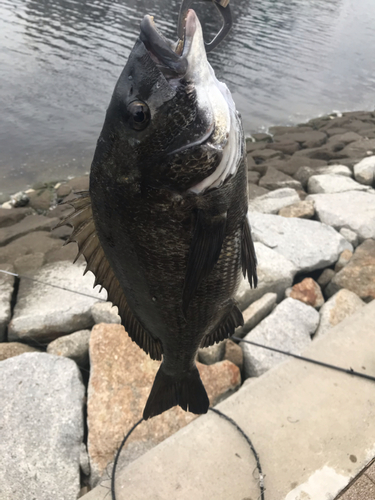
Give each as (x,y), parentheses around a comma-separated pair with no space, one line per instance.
(85,235)
(208,237)
(225,329)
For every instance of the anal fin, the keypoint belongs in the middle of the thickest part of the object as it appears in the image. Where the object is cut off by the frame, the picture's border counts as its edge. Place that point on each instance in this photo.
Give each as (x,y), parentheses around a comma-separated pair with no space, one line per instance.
(225,329)
(85,235)
(248,257)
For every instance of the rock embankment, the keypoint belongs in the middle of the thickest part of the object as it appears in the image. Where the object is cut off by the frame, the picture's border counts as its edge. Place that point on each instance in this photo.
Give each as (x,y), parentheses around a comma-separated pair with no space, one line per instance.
(312,209)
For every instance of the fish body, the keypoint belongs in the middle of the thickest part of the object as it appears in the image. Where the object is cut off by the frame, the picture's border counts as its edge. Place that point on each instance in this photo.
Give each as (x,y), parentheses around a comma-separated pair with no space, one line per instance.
(164,227)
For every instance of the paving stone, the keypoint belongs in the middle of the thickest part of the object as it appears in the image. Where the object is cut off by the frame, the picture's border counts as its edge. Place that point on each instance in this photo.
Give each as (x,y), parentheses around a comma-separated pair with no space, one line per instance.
(275,275)
(40,443)
(9,217)
(11,349)
(274,179)
(44,313)
(121,377)
(27,225)
(302,209)
(6,291)
(257,311)
(308,292)
(333,184)
(272,202)
(339,307)
(354,210)
(343,260)
(289,327)
(105,312)
(362,489)
(358,275)
(350,236)
(38,242)
(74,346)
(317,245)
(364,171)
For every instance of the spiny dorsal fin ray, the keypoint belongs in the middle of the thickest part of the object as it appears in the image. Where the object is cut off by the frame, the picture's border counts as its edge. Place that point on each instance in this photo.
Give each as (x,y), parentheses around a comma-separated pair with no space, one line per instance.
(84,234)
(205,248)
(248,257)
(225,329)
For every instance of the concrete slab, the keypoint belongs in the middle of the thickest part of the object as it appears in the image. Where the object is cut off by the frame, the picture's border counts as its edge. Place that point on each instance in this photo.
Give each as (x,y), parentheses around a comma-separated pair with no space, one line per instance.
(313,428)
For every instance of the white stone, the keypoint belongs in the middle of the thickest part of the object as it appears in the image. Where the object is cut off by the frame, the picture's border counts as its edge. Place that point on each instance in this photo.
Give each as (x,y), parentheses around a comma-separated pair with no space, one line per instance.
(257,311)
(364,171)
(350,236)
(44,313)
(272,202)
(339,307)
(212,354)
(105,312)
(289,328)
(353,210)
(275,274)
(333,184)
(41,431)
(6,291)
(303,174)
(74,346)
(306,243)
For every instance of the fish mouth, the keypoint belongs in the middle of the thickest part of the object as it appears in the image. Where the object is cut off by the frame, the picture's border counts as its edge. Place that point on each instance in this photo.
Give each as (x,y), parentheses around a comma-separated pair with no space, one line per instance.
(171,58)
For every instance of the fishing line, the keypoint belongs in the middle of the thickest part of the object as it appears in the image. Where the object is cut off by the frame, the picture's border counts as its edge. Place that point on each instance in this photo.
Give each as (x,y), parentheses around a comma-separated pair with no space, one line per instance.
(222,415)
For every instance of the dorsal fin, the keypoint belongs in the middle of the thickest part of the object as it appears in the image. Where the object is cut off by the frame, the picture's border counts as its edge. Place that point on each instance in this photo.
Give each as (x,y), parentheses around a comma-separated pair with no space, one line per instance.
(248,257)
(226,327)
(85,235)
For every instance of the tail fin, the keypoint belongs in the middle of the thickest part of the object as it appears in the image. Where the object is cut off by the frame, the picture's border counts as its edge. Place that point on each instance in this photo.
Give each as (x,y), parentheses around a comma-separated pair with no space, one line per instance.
(167,391)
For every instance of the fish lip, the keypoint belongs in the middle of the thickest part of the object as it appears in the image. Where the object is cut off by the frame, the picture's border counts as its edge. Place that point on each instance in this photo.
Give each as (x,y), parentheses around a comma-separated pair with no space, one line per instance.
(162,49)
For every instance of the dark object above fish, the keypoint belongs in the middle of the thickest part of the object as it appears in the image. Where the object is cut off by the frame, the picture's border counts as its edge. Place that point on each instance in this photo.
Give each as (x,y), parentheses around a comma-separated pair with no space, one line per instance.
(164,227)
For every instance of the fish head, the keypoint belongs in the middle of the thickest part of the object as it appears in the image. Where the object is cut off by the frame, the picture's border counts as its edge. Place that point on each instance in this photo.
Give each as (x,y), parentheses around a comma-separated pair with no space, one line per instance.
(167,106)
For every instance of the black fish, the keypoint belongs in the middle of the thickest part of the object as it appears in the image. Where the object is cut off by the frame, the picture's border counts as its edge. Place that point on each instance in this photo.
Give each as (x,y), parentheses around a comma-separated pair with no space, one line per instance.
(164,227)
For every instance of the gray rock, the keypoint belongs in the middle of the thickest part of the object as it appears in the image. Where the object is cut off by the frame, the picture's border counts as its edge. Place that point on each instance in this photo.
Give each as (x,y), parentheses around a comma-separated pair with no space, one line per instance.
(257,311)
(40,241)
(325,277)
(105,312)
(291,165)
(350,236)
(29,263)
(212,354)
(6,291)
(272,202)
(289,327)
(339,307)
(306,243)
(305,139)
(286,147)
(45,313)
(11,216)
(253,177)
(27,225)
(274,179)
(42,407)
(353,210)
(364,171)
(11,349)
(303,174)
(275,274)
(74,346)
(359,149)
(344,259)
(302,209)
(255,191)
(333,184)
(261,154)
(84,461)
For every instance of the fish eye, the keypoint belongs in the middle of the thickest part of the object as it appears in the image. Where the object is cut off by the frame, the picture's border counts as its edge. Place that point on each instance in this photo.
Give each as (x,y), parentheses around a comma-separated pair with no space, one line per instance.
(139,115)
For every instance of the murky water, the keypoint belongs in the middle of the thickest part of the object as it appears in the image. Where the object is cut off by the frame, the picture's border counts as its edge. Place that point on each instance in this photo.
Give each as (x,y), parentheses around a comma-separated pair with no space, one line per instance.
(285,61)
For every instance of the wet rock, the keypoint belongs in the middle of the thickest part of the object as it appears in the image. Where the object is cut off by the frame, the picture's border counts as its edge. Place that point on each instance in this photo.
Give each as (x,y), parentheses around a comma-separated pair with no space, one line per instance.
(61,211)
(252,146)
(44,313)
(63,253)
(339,307)
(74,346)
(105,312)
(20,199)
(287,147)
(29,263)
(291,165)
(11,349)
(261,137)
(333,184)
(308,292)
(9,217)
(250,161)
(307,244)
(212,354)
(257,311)
(262,155)
(311,139)
(79,183)
(62,232)
(282,129)
(274,179)
(253,177)
(358,275)
(343,260)
(272,202)
(6,291)
(63,190)
(29,224)
(353,210)
(301,209)
(364,171)
(338,142)
(120,381)
(255,191)
(326,277)
(303,174)
(40,443)
(41,199)
(289,327)
(275,275)
(38,242)
(350,236)
(360,149)
(233,353)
